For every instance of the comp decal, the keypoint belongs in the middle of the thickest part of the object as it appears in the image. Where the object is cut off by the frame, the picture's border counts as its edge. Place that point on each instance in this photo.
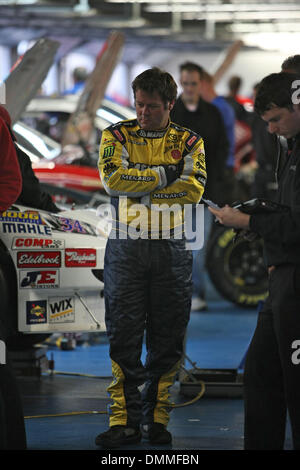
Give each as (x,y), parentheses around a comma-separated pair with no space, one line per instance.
(39,259)
(36,312)
(46,279)
(31,229)
(31,217)
(61,309)
(80,257)
(37,243)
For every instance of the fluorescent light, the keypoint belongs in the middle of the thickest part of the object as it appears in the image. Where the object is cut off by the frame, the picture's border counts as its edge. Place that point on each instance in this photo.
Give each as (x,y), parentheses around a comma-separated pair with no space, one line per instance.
(283,42)
(18,2)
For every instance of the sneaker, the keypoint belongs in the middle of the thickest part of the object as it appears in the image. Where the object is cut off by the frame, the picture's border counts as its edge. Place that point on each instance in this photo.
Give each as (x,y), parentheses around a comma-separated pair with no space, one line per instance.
(117,436)
(198,304)
(158,434)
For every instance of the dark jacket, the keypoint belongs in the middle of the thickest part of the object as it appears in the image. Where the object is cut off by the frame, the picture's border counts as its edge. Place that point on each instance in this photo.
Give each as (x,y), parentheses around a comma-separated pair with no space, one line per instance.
(207,121)
(32,194)
(281,231)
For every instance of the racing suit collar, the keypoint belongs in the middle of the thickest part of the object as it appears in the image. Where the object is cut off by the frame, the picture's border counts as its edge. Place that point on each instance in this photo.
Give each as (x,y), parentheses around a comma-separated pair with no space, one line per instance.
(158,134)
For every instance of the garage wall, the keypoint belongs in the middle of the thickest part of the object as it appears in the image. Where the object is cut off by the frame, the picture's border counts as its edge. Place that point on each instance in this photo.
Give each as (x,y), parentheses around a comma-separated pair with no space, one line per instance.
(251,65)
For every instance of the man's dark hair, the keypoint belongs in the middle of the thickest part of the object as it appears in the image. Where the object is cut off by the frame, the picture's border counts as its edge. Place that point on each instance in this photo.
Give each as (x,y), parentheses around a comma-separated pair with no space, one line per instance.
(291,64)
(275,90)
(234,84)
(80,74)
(192,67)
(156,80)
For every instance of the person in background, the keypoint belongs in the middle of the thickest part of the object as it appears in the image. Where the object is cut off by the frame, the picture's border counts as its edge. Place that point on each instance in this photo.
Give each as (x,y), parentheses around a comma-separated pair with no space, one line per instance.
(272,367)
(210,95)
(80,75)
(266,150)
(245,164)
(291,64)
(12,428)
(192,111)
(240,104)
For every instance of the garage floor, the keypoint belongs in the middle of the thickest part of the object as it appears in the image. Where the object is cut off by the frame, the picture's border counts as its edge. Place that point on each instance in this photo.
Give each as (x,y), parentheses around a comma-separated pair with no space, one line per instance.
(216,339)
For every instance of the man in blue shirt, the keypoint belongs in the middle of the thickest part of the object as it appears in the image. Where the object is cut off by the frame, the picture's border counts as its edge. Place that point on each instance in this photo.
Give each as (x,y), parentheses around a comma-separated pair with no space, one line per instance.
(209,94)
(80,75)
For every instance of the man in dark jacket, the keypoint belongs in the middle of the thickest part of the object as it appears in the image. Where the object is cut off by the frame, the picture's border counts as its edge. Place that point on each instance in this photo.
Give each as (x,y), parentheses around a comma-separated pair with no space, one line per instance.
(191,111)
(272,369)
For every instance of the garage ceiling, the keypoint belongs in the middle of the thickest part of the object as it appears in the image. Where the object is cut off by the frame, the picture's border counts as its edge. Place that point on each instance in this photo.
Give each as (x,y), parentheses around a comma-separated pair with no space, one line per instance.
(171,23)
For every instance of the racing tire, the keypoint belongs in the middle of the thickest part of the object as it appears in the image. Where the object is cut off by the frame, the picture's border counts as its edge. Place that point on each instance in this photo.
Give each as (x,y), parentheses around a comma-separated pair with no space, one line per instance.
(14,340)
(237,269)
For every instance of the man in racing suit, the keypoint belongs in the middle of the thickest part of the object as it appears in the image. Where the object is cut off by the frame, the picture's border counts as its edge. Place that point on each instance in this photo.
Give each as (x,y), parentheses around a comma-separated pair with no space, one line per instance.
(147,164)
(272,368)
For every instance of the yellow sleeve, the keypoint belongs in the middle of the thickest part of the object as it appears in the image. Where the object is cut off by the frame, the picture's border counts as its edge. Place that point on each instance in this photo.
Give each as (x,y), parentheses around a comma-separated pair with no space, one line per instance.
(187,189)
(116,176)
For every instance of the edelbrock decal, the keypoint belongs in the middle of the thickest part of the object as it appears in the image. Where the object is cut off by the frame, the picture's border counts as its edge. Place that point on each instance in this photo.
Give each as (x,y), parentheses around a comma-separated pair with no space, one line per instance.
(39,259)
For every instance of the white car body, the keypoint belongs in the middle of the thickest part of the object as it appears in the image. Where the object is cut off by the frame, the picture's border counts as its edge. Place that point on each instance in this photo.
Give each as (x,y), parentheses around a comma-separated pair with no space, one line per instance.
(41,147)
(109,112)
(54,256)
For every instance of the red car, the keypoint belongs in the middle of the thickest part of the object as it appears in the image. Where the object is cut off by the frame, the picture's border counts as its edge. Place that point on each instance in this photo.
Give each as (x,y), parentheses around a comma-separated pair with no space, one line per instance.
(39,133)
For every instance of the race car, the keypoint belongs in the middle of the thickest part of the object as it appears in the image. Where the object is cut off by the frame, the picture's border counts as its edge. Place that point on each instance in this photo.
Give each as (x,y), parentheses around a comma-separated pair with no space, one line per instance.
(50,114)
(53,165)
(51,272)
(38,134)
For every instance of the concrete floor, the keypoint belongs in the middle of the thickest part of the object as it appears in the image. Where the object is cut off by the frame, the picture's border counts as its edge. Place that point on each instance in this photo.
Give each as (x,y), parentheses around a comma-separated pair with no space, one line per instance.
(216,339)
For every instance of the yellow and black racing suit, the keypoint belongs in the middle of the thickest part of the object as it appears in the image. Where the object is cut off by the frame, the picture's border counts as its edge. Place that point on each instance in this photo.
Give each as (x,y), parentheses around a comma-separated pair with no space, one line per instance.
(147,279)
